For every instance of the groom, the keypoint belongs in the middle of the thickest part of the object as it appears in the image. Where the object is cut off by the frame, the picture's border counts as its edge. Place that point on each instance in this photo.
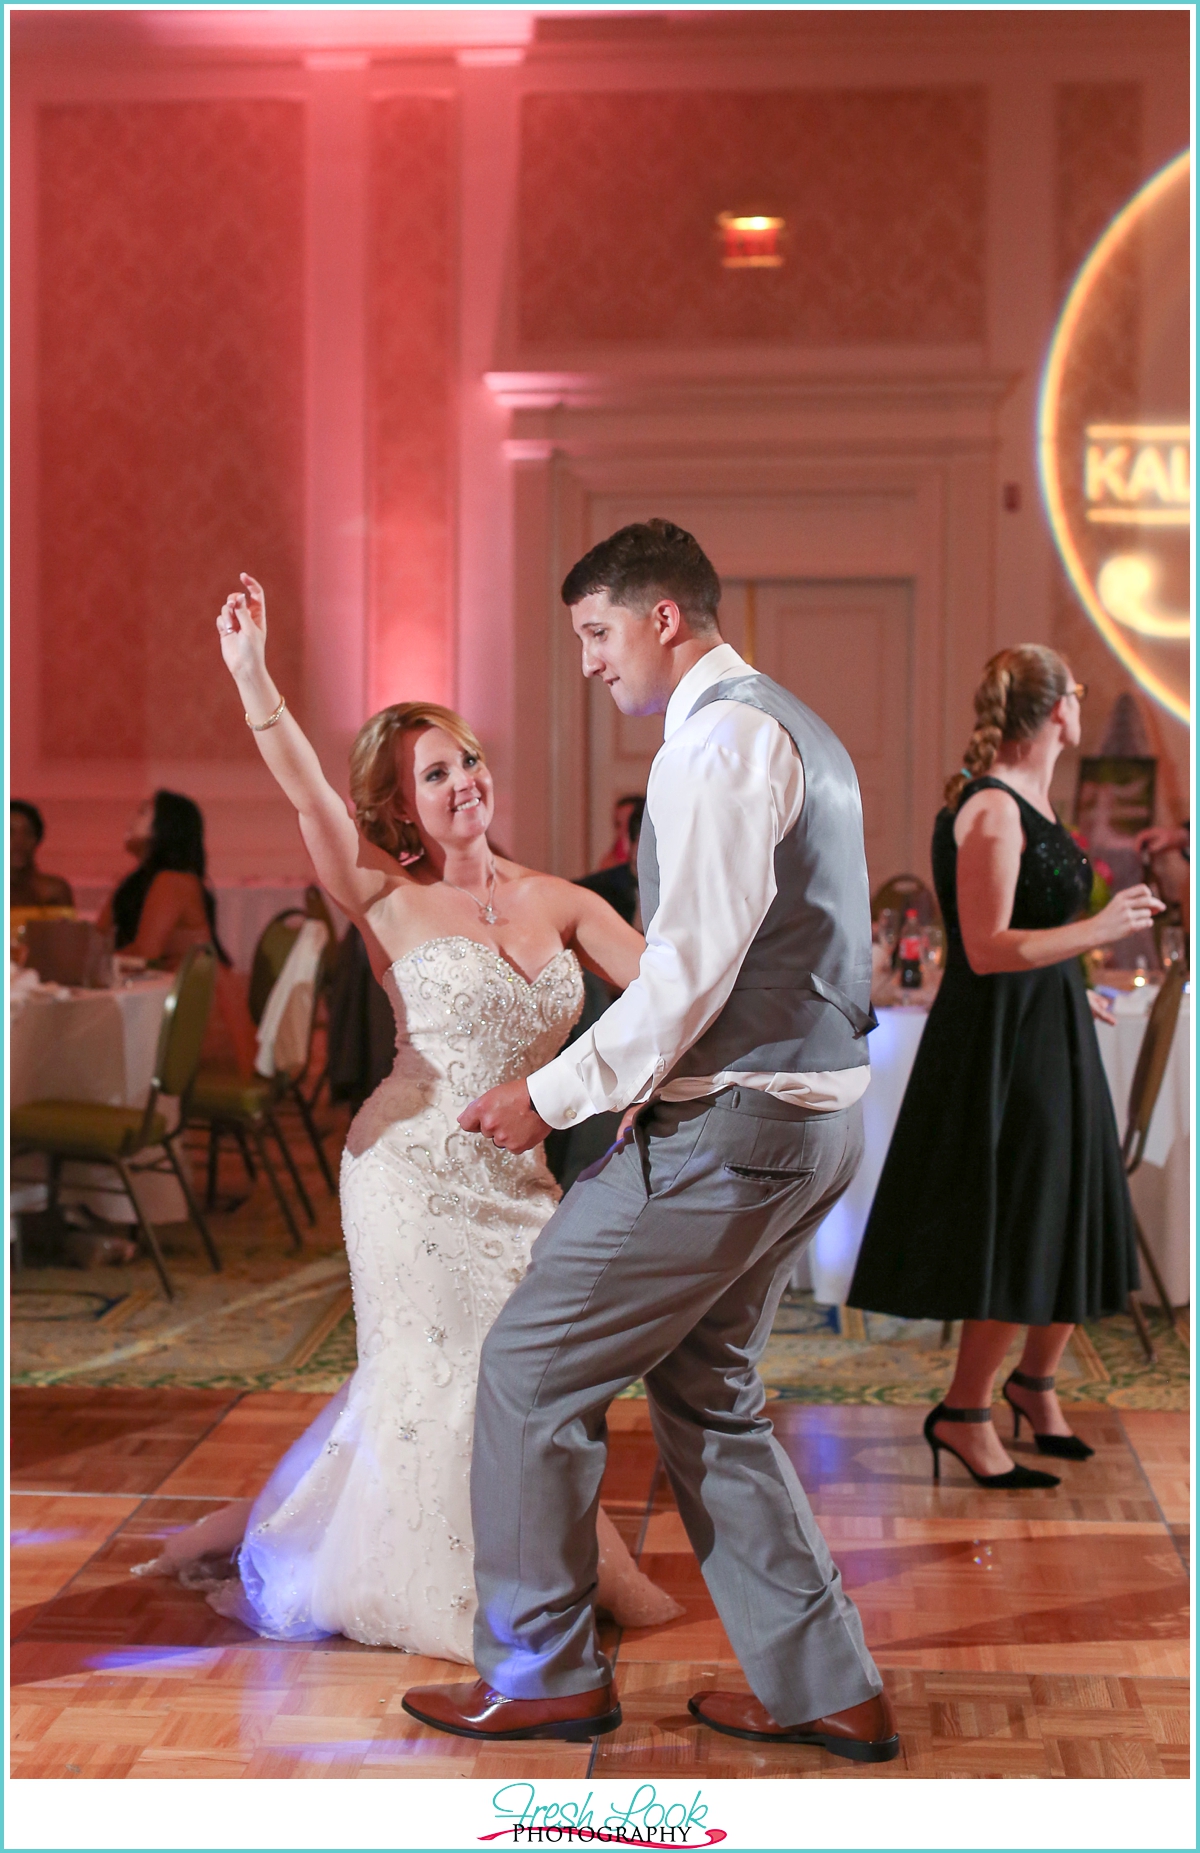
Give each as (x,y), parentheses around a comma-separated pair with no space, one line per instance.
(743,1042)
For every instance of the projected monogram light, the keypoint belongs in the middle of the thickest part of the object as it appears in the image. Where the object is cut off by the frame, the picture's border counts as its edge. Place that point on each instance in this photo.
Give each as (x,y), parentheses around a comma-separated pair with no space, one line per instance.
(1115,447)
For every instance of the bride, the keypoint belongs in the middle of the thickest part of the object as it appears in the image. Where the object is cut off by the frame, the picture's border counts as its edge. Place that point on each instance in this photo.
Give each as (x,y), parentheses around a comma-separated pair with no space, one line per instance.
(364,1528)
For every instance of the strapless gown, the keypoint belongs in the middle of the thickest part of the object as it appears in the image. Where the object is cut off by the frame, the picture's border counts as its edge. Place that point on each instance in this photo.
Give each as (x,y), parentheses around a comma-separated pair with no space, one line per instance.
(364,1528)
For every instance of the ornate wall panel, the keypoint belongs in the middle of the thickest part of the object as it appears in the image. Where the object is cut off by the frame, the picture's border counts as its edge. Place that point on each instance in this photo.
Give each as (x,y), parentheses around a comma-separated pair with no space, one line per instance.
(883,192)
(170,256)
(1098,167)
(1098,149)
(411,320)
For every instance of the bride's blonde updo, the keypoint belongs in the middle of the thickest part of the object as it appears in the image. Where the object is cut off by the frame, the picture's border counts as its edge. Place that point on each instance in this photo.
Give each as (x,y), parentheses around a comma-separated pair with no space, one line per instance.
(1018,691)
(375,771)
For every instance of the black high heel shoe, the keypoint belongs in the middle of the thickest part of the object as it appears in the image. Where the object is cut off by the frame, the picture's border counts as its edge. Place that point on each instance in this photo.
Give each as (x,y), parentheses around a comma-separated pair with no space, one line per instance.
(1015,1477)
(1066,1447)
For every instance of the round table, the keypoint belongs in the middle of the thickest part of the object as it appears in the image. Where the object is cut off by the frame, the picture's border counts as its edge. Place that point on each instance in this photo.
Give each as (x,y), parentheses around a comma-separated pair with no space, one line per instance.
(68,1044)
(1160,1186)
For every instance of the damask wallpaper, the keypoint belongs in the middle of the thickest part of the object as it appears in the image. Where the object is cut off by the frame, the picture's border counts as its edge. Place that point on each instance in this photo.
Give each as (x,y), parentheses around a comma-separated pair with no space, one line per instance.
(1098,167)
(170,255)
(883,192)
(411,320)
(1098,164)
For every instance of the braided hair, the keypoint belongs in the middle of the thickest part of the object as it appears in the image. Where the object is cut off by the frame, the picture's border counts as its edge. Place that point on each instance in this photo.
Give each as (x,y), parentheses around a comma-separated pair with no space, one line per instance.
(1019,688)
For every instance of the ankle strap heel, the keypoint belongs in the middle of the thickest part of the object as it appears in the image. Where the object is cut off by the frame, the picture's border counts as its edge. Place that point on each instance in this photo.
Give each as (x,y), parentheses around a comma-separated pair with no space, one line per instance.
(1064,1447)
(1016,1477)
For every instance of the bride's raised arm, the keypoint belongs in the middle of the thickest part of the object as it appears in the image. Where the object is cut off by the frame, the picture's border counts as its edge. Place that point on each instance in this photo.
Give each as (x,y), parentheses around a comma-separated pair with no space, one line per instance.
(355,872)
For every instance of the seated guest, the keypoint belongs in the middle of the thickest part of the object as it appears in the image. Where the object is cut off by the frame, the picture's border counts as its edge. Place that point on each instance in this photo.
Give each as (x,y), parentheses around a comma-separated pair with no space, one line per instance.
(620,851)
(165,906)
(28,886)
(617,883)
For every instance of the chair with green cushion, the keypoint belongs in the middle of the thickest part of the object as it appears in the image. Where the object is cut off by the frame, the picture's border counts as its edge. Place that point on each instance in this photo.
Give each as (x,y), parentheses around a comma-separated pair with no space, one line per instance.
(317,908)
(903,892)
(136,1139)
(245,1106)
(270,956)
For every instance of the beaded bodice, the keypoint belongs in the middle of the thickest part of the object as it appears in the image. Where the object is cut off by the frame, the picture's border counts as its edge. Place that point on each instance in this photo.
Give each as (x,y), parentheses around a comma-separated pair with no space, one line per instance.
(464,1011)
(1055,877)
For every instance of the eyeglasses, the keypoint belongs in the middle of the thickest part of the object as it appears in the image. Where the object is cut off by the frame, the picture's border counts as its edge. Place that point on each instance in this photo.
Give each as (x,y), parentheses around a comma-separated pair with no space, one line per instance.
(1079,690)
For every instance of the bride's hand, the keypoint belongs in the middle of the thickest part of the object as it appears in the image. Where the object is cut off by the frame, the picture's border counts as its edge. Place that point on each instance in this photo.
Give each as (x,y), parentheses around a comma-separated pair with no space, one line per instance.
(243,627)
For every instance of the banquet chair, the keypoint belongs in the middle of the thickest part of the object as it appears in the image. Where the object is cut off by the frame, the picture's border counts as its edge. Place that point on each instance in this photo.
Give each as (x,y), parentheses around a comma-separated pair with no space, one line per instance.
(246,1106)
(903,892)
(131,1140)
(1143,1097)
(317,908)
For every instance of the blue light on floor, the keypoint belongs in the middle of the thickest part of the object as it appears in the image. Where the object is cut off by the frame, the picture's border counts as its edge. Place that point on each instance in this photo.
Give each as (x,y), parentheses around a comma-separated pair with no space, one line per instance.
(145,1659)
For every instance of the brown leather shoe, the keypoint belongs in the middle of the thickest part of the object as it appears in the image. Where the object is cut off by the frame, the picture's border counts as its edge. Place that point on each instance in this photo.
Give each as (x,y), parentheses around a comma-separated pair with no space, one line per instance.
(865,1733)
(480,1711)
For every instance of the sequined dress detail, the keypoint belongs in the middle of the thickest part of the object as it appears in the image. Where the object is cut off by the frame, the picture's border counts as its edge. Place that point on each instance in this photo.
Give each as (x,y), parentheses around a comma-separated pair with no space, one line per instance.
(364,1528)
(1003,1195)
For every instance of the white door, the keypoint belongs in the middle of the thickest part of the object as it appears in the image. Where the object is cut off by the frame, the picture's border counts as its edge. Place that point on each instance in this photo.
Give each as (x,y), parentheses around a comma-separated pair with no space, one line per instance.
(845,647)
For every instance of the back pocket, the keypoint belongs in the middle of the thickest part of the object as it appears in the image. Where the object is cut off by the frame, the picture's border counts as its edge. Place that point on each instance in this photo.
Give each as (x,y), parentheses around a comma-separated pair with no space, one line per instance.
(768,1174)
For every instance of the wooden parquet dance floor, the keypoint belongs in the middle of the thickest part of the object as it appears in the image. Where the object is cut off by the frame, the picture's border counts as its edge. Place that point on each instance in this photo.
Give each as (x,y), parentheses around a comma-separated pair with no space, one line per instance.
(1023,1635)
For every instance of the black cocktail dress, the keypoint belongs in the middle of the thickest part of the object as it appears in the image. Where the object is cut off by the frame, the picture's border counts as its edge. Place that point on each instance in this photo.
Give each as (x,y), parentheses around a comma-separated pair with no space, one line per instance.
(1003,1195)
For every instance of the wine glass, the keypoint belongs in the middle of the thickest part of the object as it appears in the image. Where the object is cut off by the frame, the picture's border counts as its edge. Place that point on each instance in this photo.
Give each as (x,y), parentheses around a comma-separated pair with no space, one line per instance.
(1172,946)
(887,929)
(933,946)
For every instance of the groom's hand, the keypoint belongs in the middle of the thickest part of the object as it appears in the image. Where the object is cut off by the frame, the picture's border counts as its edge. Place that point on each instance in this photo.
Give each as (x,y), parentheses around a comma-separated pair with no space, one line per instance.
(506,1116)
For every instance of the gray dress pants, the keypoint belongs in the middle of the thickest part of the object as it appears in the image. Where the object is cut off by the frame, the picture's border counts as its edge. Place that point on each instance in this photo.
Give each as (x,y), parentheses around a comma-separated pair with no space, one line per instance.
(666,1261)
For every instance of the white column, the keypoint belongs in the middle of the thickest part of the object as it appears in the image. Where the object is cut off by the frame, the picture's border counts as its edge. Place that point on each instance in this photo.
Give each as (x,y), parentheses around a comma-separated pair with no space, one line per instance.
(335,407)
(486,667)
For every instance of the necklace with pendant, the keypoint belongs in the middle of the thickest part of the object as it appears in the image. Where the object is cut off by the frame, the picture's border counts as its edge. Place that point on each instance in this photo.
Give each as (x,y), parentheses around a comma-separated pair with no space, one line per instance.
(486,910)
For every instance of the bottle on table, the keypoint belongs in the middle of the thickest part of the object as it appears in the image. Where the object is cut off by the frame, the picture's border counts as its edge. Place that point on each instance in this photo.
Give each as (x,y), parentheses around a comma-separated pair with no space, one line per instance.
(908,952)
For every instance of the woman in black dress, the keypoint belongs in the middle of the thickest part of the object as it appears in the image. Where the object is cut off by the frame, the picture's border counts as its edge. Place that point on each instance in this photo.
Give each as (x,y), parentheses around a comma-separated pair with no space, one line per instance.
(1003,1199)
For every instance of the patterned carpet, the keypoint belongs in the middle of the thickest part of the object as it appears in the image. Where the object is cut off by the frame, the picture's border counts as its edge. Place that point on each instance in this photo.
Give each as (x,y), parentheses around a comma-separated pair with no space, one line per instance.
(815,1357)
(274,1319)
(300,1336)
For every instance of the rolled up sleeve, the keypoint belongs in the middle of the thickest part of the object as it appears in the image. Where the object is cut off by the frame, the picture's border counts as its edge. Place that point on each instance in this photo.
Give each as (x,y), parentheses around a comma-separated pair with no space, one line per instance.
(716,857)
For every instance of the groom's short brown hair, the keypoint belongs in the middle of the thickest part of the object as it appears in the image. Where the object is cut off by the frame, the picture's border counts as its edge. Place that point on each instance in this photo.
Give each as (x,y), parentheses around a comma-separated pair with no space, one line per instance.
(647,561)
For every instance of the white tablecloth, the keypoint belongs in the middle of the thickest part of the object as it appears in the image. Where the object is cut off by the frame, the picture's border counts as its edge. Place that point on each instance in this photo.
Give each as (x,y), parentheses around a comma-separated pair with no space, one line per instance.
(1159,1187)
(243,910)
(93,1045)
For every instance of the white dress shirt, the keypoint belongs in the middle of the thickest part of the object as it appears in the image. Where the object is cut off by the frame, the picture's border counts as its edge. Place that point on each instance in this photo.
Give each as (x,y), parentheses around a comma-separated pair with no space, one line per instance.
(725,788)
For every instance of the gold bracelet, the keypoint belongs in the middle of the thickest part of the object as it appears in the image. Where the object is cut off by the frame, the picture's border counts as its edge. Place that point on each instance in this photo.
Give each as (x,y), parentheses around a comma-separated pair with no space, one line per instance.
(261,726)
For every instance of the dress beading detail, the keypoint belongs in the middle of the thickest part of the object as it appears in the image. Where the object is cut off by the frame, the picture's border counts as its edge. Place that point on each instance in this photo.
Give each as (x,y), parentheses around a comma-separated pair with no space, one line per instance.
(364,1528)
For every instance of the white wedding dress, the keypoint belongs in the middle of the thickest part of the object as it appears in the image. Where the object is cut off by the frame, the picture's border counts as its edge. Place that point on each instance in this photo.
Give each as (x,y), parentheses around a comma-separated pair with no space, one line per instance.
(364,1528)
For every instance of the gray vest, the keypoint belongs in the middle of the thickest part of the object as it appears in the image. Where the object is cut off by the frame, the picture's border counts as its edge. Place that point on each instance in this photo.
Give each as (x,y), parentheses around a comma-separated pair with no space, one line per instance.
(801,1003)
